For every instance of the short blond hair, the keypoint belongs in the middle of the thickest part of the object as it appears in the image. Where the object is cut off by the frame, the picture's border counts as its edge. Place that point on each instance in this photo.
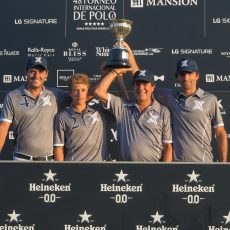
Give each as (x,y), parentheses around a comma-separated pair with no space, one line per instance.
(79,78)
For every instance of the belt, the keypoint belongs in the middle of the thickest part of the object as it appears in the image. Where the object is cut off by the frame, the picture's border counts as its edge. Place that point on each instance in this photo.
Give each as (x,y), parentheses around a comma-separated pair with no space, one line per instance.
(31,158)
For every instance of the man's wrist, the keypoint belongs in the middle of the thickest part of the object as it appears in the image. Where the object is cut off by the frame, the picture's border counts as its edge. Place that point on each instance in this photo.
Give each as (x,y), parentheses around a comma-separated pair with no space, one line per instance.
(115,73)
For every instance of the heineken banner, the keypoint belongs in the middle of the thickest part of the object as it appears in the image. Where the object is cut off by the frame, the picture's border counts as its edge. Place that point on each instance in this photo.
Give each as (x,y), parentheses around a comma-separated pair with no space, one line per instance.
(73,36)
(112,196)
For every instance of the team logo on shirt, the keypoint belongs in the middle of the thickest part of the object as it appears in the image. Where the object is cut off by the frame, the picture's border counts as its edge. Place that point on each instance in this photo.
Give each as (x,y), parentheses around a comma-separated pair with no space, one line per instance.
(25,103)
(156,221)
(153,118)
(46,101)
(95,117)
(75,124)
(198,105)
(14,222)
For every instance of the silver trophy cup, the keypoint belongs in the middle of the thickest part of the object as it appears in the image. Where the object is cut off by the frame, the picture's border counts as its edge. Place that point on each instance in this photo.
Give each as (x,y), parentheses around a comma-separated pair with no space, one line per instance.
(119,56)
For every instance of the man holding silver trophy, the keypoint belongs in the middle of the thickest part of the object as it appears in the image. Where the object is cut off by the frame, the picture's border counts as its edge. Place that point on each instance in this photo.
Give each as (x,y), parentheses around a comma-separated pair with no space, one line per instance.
(194,112)
(143,125)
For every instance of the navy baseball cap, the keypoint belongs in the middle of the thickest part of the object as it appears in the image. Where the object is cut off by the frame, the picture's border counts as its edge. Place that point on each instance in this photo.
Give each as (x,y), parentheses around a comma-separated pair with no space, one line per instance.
(36,61)
(144,75)
(187,65)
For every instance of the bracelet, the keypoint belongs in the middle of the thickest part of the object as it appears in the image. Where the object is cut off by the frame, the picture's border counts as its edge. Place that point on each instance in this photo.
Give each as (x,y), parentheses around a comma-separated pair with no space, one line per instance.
(115,72)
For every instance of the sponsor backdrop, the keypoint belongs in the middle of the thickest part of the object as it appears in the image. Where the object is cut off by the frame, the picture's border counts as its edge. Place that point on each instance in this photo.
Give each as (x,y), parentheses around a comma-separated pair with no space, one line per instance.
(73,35)
(108,196)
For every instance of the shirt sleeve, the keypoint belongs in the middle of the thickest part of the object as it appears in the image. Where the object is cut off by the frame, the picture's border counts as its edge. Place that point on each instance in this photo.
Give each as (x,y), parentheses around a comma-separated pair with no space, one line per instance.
(163,95)
(7,113)
(115,105)
(217,119)
(167,129)
(59,134)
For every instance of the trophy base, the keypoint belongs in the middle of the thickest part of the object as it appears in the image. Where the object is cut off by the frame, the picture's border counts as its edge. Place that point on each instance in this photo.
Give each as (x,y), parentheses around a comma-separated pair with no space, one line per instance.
(118,58)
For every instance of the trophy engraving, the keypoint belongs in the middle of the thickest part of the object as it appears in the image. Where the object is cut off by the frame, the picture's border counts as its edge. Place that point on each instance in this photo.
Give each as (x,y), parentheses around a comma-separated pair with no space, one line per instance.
(119,56)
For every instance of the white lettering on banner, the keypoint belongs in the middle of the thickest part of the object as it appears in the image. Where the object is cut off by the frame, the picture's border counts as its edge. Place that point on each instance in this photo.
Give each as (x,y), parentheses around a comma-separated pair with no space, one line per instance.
(198,188)
(193,51)
(77,227)
(121,188)
(16,227)
(227,220)
(14,217)
(93,14)
(141,227)
(102,51)
(222,77)
(217,78)
(50,190)
(121,197)
(221,20)
(158,219)
(33,187)
(33,21)
(6,52)
(172,2)
(193,191)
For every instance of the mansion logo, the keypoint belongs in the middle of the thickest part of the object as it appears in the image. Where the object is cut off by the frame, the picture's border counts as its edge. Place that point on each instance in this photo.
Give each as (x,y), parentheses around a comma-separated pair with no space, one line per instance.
(62,77)
(13,221)
(9,78)
(49,188)
(147,51)
(102,51)
(193,189)
(6,52)
(85,222)
(148,3)
(157,222)
(41,51)
(93,14)
(225,222)
(75,53)
(211,78)
(121,190)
